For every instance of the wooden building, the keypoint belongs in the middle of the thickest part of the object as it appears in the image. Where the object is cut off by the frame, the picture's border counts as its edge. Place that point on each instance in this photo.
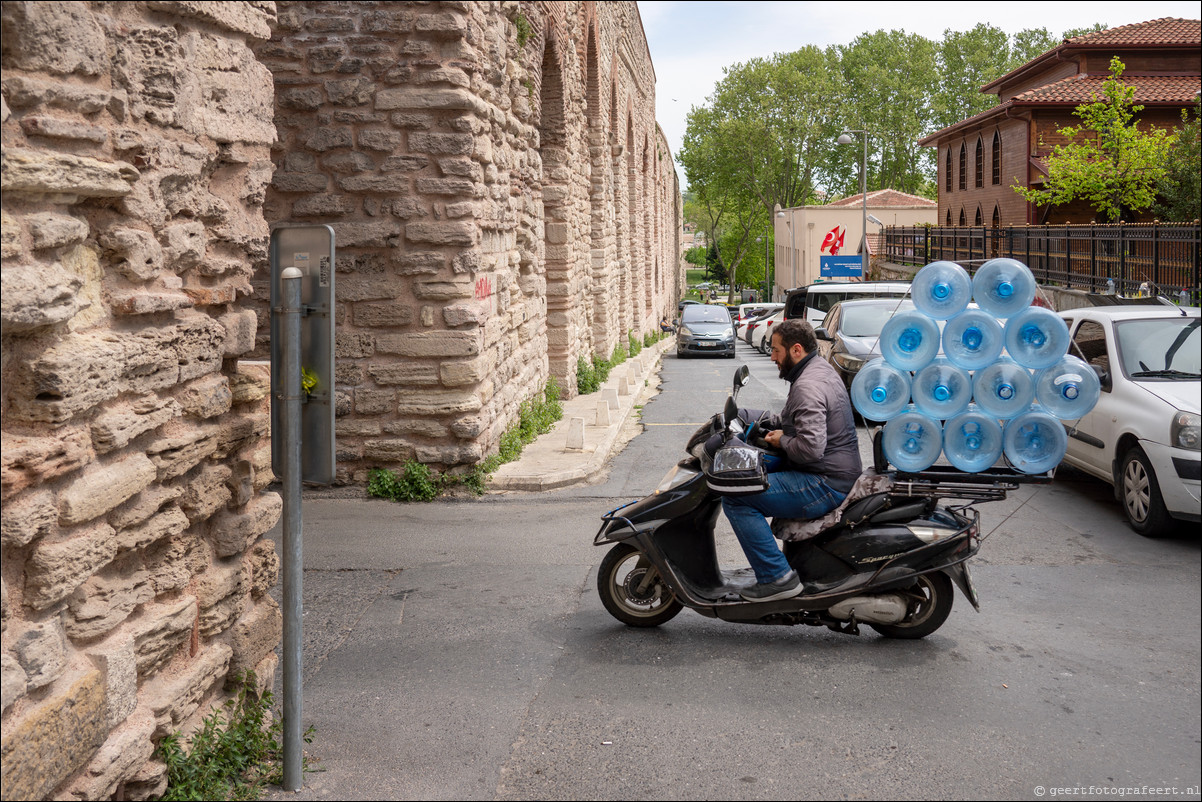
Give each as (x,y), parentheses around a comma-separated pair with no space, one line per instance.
(983,157)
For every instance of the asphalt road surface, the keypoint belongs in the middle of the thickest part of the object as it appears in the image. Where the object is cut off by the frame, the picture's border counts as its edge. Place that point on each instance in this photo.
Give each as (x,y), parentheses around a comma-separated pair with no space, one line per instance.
(458,650)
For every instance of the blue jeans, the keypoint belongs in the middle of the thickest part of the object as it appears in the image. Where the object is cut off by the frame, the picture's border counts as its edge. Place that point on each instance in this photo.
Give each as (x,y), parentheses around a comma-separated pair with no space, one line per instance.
(790,494)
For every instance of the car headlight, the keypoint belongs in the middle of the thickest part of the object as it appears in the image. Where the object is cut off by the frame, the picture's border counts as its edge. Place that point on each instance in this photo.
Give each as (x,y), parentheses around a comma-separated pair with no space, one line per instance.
(1186,431)
(683,329)
(729,335)
(848,362)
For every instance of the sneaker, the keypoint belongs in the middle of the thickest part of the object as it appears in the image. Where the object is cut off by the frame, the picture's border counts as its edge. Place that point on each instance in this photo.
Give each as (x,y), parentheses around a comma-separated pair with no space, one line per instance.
(786,587)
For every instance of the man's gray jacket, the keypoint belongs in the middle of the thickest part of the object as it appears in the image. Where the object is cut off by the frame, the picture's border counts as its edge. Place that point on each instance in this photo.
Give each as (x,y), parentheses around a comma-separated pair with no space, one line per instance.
(819,431)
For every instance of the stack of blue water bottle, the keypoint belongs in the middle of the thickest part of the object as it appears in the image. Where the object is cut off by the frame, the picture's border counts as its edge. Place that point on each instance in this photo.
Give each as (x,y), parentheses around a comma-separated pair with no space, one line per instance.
(1002,385)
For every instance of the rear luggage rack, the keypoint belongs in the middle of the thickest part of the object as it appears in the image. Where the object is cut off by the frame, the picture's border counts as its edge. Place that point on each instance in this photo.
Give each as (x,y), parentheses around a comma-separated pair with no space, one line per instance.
(946,481)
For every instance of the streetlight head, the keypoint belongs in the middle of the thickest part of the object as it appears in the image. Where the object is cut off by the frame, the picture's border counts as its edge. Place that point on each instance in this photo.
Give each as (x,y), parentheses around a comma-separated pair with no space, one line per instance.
(845,139)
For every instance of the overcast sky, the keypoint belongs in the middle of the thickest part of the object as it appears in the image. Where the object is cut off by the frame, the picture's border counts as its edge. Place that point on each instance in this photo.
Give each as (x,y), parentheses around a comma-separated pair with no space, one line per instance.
(691,42)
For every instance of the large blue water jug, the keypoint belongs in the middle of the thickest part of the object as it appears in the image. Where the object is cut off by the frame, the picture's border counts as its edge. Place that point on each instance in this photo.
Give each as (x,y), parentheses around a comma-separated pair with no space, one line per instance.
(909,340)
(972,441)
(1036,338)
(941,290)
(1034,442)
(1003,287)
(1068,389)
(972,339)
(941,390)
(912,441)
(1004,389)
(880,391)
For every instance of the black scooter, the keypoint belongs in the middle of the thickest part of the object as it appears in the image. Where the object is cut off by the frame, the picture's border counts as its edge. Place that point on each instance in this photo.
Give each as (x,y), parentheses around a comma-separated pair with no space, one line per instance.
(886,558)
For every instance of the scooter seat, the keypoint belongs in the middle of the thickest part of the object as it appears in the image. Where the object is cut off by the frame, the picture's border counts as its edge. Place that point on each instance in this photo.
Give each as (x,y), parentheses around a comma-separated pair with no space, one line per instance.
(864,498)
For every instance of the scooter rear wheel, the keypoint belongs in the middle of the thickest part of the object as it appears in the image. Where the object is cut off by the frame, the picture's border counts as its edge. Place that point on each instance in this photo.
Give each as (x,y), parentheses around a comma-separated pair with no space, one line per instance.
(620,583)
(932,604)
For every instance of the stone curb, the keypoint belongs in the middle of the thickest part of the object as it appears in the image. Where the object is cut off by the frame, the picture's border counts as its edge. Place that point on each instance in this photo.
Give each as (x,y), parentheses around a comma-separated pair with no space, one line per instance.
(546,464)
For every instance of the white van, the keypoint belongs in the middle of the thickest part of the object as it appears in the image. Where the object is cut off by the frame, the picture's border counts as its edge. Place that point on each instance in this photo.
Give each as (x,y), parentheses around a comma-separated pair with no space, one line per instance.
(813,302)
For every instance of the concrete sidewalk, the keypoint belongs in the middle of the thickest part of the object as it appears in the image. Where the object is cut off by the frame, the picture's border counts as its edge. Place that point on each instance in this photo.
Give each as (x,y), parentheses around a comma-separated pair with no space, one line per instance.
(593,428)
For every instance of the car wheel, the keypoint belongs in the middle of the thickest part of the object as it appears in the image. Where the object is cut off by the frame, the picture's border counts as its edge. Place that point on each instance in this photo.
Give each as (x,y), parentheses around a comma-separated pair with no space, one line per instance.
(1139,493)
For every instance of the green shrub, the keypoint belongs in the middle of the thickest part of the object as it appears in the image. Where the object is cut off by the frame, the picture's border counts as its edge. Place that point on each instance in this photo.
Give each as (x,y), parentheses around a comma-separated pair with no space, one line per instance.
(636,344)
(415,483)
(233,755)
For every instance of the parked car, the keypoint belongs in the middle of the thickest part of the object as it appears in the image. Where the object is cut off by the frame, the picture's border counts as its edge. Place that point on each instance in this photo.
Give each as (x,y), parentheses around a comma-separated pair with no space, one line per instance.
(686,302)
(759,337)
(705,329)
(849,336)
(814,301)
(1145,434)
(748,328)
(751,311)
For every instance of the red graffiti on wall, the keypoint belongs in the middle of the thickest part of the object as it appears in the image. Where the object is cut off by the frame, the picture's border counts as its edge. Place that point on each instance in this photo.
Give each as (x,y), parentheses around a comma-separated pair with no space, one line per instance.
(483,289)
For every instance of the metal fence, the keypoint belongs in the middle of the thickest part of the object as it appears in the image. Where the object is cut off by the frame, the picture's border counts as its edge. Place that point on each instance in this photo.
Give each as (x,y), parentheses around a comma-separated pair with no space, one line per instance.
(1153,257)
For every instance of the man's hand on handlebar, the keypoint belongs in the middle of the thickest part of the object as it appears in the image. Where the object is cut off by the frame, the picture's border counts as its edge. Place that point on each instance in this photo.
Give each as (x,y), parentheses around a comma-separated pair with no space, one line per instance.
(773,437)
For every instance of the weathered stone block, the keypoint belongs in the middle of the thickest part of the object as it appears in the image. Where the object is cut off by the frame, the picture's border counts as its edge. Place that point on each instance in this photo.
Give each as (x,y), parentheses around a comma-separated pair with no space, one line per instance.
(58,39)
(262,564)
(405,164)
(247,18)
(300,182)
(206,493)
(444,290)
(382,313)
(115,657)
(28,517)
(117,426)
(379,139)
(50,230)
(427,99)
(26,461)
(413,263)
(429,343)
(35,296)
(450,455)
(301,98)
(389,375)
(468,428)
(351,345)
(220,592)
(388,451)
(167,523)
(175,454)
(375,402)
(37,125)
(104,601)
(126,750)
(232,532)
(324,206)
(238,431)
(10,235)
(356,428)
(440,144)
(366,235)
(249,388)
(34,172)
(348,162)
(445,186)
(173,698)
(148,301)
(55,569)
(139,508)
(437,402)
(390,184)
(457,374)
(102,487)
(53,740)
(160,630)
(42,650)
(206,397)
(325,138)
(419,427)
(184,245)
(448,233)
(13,683)
(173,562)
(256,635)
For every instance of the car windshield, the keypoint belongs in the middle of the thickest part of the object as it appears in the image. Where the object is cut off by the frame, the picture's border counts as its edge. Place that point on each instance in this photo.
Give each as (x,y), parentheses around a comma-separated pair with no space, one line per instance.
(867,320)
(706,314)
(1161,348)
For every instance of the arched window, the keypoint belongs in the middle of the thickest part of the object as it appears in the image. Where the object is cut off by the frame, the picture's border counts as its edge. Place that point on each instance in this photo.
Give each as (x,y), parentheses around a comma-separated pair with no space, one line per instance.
(947,174)
(963,220)
(997,218)
(997,157)
(963,167)
(980,171)
(949,213)
(980,220)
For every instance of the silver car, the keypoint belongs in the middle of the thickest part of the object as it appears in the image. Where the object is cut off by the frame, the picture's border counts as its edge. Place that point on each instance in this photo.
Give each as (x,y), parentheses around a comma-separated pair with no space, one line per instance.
(705,329)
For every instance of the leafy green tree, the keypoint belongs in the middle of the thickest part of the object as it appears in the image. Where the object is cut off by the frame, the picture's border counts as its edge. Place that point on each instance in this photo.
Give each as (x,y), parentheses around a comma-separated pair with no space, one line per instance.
(1180,191)
(1027,45)
(967,61)
(1108,161)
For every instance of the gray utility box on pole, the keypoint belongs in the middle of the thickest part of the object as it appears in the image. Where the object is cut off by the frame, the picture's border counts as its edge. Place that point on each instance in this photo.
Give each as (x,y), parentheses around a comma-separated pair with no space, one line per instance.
(310,249)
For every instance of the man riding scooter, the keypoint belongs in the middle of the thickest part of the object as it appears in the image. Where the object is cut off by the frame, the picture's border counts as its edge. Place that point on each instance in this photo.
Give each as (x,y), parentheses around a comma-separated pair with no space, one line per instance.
(817,432)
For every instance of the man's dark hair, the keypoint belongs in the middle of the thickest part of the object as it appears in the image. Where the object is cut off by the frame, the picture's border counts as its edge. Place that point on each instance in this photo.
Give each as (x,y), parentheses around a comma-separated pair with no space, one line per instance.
(797,332)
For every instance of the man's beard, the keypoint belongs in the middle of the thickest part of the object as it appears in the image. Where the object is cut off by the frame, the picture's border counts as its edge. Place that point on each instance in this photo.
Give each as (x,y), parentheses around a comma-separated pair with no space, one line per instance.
(787,366)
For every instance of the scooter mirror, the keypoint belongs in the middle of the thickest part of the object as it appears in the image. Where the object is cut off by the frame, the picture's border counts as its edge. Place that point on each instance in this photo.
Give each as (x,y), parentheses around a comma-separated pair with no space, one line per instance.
(732,409)
(742,376)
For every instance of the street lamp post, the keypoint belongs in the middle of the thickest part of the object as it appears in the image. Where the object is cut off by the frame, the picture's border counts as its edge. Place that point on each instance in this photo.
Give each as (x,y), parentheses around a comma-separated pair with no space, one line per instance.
(846,139)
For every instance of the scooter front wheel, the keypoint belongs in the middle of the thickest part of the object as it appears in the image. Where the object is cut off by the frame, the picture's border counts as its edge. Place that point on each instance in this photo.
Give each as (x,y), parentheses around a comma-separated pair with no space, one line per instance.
(632,589)
(929,608)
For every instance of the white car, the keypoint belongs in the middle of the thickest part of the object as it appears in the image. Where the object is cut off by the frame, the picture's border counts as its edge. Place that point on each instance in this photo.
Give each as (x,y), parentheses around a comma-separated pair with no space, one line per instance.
(760,337)
(1145,434)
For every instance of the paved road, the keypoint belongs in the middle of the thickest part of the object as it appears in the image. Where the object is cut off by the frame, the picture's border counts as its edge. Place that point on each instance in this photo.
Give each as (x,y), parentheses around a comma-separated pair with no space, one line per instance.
(459,650)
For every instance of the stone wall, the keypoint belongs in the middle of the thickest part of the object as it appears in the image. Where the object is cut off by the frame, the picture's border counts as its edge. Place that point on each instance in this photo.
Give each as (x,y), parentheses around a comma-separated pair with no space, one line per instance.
(503,202)
(136,155)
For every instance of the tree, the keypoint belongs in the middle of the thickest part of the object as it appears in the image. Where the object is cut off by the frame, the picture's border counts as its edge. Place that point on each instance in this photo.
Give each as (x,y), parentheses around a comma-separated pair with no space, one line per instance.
(1180,190)
(967,61)
(1108,161)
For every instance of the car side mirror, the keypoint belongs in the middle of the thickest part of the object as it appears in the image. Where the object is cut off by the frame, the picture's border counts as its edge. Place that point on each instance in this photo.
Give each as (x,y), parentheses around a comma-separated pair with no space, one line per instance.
(822,334)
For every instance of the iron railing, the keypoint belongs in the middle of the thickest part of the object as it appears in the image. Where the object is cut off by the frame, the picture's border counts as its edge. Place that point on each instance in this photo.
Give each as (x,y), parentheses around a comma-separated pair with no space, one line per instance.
(1153,257)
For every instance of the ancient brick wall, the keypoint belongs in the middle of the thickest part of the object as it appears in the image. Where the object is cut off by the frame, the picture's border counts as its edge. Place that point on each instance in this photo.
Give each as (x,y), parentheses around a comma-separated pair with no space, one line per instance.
(503,203)
(136,155)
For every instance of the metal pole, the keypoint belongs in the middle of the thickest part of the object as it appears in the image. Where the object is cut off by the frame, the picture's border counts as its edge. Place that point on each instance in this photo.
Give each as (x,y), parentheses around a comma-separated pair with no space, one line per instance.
(291,373)
(864,198)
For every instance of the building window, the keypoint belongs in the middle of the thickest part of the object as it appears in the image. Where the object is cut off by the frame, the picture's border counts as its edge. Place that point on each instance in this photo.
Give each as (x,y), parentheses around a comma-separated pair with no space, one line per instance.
(947,172)
(980,171)
(979,219)
(949,211)
(963,167)
(997,157)
(963,220)
(997,218)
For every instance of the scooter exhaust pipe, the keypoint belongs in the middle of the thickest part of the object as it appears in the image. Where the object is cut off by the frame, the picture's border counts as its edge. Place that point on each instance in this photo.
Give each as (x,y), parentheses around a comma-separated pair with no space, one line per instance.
(887,608)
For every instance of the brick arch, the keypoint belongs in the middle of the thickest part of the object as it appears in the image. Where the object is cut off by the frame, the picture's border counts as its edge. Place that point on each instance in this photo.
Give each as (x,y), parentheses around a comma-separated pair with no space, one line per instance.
(600,302)
(557,263)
